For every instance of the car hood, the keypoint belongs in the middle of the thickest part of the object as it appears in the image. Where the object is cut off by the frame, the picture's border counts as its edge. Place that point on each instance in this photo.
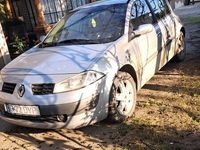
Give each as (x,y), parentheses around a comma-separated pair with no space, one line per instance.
(56,60)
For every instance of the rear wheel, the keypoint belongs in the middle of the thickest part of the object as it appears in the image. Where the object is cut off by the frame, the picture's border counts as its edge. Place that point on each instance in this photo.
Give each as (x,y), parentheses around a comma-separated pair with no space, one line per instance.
(181,48)
(122,98)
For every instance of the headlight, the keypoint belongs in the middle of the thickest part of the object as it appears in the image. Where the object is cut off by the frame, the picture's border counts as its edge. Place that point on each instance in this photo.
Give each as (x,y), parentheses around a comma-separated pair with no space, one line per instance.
(78,81)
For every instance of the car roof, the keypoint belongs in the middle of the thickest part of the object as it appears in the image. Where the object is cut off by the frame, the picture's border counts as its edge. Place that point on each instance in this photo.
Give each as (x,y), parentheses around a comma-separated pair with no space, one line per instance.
(103,2)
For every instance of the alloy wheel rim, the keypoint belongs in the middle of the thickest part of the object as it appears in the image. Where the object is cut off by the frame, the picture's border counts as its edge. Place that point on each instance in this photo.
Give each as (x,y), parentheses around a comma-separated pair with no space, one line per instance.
(124,96)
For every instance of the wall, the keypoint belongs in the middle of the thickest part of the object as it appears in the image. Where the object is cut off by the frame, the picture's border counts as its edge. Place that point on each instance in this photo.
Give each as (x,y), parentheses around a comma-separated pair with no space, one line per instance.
(4,54)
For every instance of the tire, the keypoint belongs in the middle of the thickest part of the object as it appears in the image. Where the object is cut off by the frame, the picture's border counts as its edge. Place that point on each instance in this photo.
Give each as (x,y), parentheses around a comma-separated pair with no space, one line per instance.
(181,48)
(122,98)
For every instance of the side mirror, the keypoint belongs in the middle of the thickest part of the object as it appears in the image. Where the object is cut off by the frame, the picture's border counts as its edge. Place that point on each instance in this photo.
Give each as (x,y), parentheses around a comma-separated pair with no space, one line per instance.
(143,29)
(42,38)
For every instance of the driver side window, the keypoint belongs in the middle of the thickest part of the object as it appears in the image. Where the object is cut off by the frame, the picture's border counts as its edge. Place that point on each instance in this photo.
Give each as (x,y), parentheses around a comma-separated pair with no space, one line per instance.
(140,14)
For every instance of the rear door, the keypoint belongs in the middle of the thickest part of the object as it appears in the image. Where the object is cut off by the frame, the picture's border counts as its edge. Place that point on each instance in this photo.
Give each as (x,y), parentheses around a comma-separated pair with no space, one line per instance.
(166,25)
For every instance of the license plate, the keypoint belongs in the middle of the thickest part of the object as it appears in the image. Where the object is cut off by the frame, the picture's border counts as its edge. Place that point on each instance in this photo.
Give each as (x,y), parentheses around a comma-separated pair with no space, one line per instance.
(22,110)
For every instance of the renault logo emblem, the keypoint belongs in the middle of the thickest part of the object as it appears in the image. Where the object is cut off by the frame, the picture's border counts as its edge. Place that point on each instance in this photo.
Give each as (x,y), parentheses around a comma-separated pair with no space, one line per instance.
(21,90)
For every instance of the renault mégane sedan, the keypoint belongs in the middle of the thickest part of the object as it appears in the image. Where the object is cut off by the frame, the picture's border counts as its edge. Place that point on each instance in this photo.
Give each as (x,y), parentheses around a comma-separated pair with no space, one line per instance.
(91,64)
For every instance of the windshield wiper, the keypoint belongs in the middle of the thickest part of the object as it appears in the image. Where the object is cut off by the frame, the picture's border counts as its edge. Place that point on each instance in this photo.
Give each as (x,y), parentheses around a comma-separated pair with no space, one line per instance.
(78,41)
(69,41)
(50,44)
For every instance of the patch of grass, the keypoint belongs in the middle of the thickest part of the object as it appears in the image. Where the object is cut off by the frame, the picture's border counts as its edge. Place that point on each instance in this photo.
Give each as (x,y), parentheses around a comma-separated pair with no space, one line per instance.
(168,120)
(126,148)
(192,20)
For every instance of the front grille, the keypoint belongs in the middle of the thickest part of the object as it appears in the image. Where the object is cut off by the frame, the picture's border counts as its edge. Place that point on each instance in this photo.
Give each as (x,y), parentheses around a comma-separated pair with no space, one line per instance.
(8,87)
(42,89)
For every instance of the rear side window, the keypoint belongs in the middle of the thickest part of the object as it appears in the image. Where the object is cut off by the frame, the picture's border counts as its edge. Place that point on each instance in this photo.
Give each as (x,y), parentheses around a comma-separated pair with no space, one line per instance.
(160,8)
(140,14)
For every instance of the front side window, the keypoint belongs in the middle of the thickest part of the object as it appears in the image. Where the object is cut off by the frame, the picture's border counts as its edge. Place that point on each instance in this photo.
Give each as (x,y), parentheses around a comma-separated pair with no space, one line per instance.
(140,14)
(100,24)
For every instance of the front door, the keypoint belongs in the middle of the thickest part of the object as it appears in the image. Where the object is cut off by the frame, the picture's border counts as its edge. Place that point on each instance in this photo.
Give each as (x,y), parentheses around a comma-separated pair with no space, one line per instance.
(145,45)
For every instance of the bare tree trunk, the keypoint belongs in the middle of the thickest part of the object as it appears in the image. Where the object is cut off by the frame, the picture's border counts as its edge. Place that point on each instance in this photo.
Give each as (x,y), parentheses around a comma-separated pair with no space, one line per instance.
(8,9)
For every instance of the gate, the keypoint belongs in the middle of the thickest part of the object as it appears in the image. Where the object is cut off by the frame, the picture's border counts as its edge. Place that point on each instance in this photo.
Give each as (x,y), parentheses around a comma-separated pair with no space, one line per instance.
(53,10)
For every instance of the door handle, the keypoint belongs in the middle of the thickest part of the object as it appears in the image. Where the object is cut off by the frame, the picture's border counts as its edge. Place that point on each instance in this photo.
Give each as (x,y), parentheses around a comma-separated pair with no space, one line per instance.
(159,33)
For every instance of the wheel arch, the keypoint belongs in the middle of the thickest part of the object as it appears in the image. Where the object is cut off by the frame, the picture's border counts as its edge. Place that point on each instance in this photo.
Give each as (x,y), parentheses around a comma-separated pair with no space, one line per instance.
(183,30)
(129,69)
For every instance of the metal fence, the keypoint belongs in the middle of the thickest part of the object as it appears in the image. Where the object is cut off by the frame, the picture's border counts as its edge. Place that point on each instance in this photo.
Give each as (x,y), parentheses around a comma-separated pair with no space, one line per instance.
(55,9)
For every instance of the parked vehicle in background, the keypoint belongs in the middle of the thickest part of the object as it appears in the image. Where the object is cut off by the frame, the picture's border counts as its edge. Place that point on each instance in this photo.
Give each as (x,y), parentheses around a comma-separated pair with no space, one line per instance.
(187,2)
(91,64)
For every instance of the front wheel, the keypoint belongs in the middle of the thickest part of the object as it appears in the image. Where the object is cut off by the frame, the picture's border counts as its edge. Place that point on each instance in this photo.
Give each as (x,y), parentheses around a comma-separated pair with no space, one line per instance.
(181,48)
(122,98)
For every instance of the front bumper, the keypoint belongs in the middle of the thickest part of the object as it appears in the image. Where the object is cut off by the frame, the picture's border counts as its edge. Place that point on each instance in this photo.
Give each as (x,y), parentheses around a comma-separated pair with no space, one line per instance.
(33,124)
(49,114)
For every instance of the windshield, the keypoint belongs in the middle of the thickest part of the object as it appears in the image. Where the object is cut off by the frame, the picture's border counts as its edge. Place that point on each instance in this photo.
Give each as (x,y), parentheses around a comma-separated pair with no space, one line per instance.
(100,24)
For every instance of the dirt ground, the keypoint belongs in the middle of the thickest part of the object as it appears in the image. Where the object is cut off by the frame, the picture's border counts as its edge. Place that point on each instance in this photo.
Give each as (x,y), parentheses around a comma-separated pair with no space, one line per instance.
(167,114)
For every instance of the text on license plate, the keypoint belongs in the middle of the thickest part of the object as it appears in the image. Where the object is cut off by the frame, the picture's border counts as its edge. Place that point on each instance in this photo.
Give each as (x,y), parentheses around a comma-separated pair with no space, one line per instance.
(22,110)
